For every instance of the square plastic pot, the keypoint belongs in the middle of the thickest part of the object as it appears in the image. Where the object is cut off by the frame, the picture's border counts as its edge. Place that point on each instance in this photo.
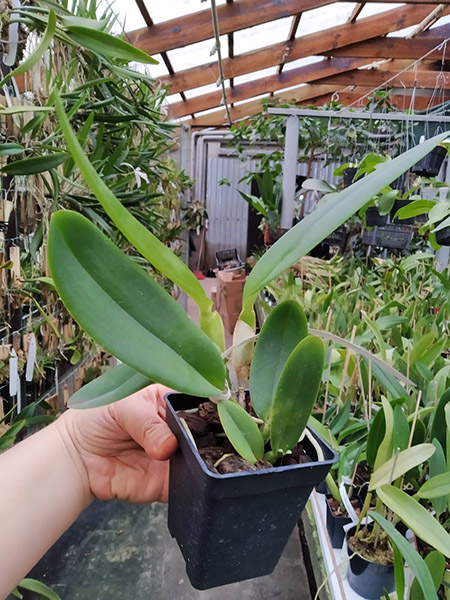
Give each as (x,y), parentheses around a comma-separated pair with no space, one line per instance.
(335,525)
(430,165)
(235,526)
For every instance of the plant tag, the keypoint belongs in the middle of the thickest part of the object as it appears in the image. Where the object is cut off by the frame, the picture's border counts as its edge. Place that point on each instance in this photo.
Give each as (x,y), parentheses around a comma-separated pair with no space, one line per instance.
(346,500)
(31,358)
(13,374)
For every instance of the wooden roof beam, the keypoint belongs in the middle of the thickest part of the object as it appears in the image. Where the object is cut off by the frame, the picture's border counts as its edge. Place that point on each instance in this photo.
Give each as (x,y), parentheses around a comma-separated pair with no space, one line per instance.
(356,12)
(308,45)
(265,85)
(197,27)
(291,37)
(400,101)
(392,47)
(374,78)
(428,21)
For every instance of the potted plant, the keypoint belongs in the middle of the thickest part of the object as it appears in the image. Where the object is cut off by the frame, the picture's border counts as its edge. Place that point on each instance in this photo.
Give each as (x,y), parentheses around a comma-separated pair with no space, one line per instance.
(430,165)
(131,316)
(268,203)
(438,222)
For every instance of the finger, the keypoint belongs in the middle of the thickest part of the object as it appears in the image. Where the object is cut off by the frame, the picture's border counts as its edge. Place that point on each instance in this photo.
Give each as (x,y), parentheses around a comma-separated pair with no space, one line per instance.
(138,416)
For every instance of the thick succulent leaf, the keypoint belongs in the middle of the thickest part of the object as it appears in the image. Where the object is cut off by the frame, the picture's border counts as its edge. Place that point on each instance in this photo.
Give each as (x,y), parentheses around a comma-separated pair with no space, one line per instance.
(299,240)
(113,385)
(296,393)
(399,573)
(11,148)
(159,255)
(127,312)
(413,558)
(437,466)
(435,562)
(284,328)
(241,430)
(107,45)
(435,487)
(400,464)
(35,164)
(416,517)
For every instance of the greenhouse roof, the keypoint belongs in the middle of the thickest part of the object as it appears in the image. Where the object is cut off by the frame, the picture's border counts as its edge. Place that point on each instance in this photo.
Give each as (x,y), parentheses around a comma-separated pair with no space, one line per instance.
(308,50)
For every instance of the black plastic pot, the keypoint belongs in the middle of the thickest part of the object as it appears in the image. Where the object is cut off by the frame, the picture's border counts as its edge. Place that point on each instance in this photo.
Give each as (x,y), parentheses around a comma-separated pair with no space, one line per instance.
(366,578)
(349,174)
(374,219)
(398,204)
(443,236)
(322,488)
(430,165)
(335,525)
(233,527)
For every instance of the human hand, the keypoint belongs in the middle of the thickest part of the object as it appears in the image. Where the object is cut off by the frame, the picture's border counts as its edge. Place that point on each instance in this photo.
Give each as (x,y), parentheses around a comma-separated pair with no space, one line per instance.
(124,447)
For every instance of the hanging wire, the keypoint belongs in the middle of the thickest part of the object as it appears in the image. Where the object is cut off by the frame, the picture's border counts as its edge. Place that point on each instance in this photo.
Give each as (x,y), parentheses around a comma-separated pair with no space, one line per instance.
(218,49)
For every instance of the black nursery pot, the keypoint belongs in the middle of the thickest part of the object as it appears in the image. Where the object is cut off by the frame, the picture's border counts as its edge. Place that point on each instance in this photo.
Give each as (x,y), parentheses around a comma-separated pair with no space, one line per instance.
(443,236)
(349,174)
(235,526)
(398,204)
(374,219)
(430,165)
(335,525)
(368,579)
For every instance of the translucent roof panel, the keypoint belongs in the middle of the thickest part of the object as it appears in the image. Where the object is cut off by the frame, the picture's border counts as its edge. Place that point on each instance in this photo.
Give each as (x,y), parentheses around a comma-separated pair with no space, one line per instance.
(324,17)
(261,35)
(302,62)
(196,54)
(373,8)
(205,89)
(158,70)
(164,11)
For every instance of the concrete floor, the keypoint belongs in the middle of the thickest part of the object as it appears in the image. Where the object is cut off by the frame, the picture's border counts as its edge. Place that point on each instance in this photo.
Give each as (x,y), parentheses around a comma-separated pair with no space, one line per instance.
(119,551)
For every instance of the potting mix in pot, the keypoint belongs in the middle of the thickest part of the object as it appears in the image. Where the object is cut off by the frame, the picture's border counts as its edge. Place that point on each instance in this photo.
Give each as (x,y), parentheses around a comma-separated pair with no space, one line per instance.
(246,462)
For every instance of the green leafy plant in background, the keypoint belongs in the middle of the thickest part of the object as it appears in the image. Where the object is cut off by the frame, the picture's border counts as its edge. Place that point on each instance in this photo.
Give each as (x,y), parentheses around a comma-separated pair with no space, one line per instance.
(154,337)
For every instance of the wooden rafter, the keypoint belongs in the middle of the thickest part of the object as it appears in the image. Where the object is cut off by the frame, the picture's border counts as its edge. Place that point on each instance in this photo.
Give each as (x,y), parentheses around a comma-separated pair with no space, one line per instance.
(322,42)
(394,47)
(197,27)
(149,22)
(344,74)
(428,21)
(244,91)
(402,101)
(291,37)
(231,45)
(356,12)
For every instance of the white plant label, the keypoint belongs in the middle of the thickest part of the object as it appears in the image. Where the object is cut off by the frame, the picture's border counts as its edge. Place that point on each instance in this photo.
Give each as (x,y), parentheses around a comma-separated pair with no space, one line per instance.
(31,358)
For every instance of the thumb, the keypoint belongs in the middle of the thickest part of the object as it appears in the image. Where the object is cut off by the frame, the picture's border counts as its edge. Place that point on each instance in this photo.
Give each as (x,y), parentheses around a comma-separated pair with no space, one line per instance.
(138,415)
(157,439)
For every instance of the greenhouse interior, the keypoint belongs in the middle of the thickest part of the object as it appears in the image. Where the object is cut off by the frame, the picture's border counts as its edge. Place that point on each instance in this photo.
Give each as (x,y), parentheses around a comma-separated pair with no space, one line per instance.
(237,384)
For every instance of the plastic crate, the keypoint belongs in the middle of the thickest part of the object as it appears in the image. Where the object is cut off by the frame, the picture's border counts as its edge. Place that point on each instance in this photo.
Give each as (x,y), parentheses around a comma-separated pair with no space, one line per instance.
(390,236)
(228,259)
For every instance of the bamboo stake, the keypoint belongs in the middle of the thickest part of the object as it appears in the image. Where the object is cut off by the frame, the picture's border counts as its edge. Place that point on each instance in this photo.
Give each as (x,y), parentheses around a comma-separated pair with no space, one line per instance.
(416,412)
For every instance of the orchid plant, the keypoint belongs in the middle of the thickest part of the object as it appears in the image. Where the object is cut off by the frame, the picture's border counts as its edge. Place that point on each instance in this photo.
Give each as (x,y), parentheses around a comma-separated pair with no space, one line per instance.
(132,317)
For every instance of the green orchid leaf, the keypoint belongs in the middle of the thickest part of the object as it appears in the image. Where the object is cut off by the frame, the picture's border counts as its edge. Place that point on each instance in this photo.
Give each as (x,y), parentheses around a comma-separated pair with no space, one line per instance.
(299,240)
(107,45)
(416,517)
(439,426)
(283,329)
(296,393)
(414,209)
(386,202)
(401,429)
(35,164)
(399,572)
(16,110)
(435,562)
(437,466)
(38,53)
(400,464)
(157,253)
(375,437)
(38,588)
(435,487)
(127,312)
(384,452)
(10,149)
(413,558)
(115,384)
(241,430)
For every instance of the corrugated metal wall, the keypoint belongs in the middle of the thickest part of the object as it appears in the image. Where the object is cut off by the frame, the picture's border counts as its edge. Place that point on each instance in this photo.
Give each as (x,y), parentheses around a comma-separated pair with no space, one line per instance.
(228,211)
